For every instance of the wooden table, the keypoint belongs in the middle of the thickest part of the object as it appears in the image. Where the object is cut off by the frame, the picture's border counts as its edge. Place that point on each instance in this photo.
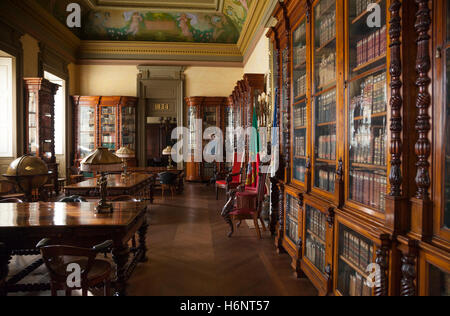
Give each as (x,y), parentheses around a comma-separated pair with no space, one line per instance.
(154,171)
(23,225)
(137,185)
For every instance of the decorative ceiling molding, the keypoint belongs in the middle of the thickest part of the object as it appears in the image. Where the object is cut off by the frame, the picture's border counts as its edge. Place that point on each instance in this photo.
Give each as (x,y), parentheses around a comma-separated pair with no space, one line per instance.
(210,6)
(159,51)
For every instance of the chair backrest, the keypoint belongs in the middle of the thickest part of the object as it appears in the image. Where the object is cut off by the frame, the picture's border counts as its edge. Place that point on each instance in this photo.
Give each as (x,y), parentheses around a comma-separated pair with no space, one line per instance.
(72,199)
(123,198)
(167,178)
(57,259)
(11,200)
(237,168)
(261,191)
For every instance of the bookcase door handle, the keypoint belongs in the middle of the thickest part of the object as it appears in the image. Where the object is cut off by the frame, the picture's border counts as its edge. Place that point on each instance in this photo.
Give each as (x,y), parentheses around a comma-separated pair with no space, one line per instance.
(438,52)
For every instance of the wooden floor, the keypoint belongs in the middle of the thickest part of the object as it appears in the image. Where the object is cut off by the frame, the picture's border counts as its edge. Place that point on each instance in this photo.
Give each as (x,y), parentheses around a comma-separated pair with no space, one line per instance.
(191,255)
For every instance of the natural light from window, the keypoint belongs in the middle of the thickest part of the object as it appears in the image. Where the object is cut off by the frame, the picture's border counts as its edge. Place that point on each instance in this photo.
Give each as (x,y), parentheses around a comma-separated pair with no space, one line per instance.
(6,106)
(60,113)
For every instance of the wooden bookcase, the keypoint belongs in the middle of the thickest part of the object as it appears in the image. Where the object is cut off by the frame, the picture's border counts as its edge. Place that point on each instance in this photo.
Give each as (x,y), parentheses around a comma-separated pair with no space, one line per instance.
(103,122)
(40,123)
(355,130)
(211,110)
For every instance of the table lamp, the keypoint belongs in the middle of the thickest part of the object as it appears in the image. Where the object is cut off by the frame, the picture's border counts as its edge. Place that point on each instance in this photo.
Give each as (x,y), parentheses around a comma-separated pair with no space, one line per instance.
(102,161)
(125,154)
(168,152)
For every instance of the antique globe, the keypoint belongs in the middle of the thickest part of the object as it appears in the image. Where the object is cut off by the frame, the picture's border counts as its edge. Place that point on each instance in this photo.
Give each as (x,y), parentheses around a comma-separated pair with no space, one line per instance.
(29,173)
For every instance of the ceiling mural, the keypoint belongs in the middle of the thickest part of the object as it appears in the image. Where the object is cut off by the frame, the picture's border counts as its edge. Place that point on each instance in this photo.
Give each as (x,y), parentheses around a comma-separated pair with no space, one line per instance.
(117,24)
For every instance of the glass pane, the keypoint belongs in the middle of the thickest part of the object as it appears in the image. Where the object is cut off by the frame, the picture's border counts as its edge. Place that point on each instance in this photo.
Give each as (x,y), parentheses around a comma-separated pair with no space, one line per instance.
(447,149)
(316,229)
(87,131)
(300,142)
(439,282)
(448,20)
(367,44)
(209,117)
(355,255)
(108,120)
(299,53)
(129,127)
(368,141)
(292,219)
(324,45)
(325,141)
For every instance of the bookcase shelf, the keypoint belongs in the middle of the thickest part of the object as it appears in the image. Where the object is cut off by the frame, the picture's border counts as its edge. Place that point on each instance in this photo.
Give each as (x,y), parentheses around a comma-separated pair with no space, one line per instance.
(370,186)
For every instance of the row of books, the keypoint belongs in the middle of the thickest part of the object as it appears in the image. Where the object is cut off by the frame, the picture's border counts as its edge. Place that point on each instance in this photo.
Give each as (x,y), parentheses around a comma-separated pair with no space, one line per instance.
(357,250)
(326,107)
(292,230)
(368,149)
(128,110)
(372,99)
(327,70)
(316,252)
(327,28)
(109,120)
(326,180)
(110,146)
(327,147)
(108,110)
(323,6)
(358,286)
(300,55)
(299,170)
(108,139)
(369,188)
(301,85)
(300,116)
(300,146)
(361,6)
(292,207)
(300,33)
(316,222)
(371,46)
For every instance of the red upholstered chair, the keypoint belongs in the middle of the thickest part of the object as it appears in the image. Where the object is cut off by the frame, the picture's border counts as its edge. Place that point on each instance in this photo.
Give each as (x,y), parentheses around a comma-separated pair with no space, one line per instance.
(243,208)
(232,180)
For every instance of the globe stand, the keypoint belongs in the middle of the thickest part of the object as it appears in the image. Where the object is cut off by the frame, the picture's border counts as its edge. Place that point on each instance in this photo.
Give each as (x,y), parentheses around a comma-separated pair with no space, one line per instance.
(19,180)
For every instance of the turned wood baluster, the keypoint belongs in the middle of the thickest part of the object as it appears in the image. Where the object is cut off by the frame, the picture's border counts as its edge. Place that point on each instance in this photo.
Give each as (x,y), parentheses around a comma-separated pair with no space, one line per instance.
(396,101)
(382,261)
(423,125)
(274,205)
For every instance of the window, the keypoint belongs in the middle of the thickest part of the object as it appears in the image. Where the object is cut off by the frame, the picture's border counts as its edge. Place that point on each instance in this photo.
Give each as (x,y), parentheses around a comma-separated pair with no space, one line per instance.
(60,113)
(6,105)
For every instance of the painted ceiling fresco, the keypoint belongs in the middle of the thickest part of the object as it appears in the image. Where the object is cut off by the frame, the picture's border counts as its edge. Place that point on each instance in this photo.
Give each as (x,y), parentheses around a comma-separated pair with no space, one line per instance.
(144,25)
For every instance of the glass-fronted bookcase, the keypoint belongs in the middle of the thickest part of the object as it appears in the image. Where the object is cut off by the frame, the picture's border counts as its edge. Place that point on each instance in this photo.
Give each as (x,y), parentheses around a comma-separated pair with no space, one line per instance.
(367,116)
(299,111)
(324,96)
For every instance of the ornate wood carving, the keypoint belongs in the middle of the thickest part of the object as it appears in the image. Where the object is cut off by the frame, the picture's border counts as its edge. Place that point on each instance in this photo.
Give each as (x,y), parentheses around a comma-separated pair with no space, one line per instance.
(330,217)
(382,261)
(396,101)
(408,287)
(423,125)
(280,209)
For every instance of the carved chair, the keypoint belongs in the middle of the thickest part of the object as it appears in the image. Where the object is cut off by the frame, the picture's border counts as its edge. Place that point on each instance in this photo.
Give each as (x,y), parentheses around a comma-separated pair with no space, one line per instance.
(58,260)
(238,210)
(11,200)
(232,180)
(8,190)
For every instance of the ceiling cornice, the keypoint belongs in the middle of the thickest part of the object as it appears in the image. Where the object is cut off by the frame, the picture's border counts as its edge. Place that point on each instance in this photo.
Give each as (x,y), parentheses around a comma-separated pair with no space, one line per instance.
(212,6)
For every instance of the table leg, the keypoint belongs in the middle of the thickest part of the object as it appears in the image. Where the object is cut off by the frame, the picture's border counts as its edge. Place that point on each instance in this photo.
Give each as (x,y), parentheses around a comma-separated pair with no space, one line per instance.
(143,242)
(120,256)
(152,192)
(5,257)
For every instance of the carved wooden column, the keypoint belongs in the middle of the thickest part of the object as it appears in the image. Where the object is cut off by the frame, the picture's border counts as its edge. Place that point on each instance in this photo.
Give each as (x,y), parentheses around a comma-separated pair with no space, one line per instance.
(409,272)
(298,256)
(280,234)
(274,205)
(286,93)
(421,203)
(339,184)
(382,260)
(396,219)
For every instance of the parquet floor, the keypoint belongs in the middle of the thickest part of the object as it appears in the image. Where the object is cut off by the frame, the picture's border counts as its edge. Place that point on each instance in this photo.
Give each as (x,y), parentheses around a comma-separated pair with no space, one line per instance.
(191,255)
